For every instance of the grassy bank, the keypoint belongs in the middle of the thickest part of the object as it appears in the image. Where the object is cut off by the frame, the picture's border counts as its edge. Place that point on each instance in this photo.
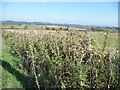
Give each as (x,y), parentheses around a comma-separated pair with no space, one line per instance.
(13,75)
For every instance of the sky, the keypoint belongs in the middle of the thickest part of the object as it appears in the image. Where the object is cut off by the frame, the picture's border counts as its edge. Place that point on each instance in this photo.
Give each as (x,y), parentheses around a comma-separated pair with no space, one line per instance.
(83,13)
(60,0)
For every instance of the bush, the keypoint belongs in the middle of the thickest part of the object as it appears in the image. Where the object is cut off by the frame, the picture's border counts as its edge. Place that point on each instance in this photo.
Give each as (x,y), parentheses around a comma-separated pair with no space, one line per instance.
(70,61)
(25,27)
(12,27)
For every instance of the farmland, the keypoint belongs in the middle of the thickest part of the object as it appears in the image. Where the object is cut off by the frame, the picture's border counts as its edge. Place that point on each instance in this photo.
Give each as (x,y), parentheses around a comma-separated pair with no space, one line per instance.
(37,58)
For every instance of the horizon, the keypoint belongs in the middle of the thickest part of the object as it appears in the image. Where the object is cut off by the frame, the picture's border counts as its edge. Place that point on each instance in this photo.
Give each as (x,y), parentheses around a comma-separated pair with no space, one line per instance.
(59,23)
(81,13)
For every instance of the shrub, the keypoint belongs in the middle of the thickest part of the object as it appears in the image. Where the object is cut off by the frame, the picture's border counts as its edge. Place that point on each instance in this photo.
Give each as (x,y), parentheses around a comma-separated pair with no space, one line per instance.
(12,27)
(69,61)
(25,27)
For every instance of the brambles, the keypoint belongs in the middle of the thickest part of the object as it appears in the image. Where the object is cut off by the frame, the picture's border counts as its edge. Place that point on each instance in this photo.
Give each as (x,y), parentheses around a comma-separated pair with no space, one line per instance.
(72,60)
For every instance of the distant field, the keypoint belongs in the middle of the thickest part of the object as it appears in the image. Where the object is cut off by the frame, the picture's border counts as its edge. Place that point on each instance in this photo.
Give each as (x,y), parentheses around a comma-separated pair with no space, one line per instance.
(98,36)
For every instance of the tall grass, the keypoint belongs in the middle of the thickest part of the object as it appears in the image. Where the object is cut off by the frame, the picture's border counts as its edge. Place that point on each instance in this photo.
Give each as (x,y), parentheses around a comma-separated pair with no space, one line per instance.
(72,60)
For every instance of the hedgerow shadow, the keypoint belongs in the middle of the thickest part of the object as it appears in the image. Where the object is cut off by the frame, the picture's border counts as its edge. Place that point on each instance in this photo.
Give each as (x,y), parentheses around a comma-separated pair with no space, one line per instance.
(26,81)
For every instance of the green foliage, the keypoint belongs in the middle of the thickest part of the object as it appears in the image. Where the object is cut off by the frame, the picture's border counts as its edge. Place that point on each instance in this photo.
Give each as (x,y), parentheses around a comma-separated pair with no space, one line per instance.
(67,61)
(12,27)
(25,27)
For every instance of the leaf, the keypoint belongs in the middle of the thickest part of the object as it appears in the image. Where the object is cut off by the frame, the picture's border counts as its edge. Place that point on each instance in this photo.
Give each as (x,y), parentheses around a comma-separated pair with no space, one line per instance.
(62,85)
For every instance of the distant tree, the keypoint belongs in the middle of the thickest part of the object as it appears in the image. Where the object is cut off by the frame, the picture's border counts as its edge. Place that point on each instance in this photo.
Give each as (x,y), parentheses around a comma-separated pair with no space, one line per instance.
(92,29)
(2,28)
(97,27)
(117,28)
(25,27)
(67,27)
(12,27)
(47,28)
(53,28)
(60,28)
